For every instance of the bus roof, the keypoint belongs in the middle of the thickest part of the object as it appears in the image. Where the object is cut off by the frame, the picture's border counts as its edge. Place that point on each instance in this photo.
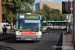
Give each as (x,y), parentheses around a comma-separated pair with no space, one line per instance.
(55,21)
(28,16)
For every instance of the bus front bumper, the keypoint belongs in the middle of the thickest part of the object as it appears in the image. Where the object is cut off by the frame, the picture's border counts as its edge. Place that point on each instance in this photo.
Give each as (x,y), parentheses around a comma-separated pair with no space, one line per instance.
(28,37)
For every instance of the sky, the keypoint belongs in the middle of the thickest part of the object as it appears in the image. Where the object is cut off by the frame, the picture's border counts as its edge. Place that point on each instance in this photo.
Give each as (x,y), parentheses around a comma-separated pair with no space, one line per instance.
(36,1)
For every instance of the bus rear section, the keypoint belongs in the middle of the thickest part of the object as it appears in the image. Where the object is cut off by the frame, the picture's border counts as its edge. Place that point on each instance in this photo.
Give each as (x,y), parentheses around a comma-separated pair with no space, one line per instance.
(28,27)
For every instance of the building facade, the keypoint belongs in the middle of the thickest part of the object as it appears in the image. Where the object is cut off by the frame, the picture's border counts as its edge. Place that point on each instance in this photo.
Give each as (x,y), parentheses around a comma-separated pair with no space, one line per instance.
(51,4)
(37,6)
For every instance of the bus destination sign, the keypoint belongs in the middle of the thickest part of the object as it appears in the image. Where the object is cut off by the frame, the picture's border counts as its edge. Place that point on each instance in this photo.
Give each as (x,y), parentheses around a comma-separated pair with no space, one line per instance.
(32,16)
(29,16)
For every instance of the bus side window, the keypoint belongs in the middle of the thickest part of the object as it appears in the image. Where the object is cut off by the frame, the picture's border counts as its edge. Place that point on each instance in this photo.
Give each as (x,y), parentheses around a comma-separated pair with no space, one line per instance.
(49,24)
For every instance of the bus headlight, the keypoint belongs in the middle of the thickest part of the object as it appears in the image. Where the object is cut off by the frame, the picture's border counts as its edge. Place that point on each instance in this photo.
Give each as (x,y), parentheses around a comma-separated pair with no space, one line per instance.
(18,33)
(39,33)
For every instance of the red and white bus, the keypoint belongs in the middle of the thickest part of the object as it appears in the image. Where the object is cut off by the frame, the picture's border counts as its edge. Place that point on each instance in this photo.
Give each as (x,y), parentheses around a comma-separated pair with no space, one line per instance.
(28,27)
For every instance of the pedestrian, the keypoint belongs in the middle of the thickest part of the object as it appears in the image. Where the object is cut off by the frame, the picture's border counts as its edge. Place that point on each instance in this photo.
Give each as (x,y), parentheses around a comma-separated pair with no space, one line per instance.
(4,29)
(14,27)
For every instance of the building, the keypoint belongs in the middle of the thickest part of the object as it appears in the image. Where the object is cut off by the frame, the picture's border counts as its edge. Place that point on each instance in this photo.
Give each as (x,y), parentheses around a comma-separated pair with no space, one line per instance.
(51,4)
(37,6)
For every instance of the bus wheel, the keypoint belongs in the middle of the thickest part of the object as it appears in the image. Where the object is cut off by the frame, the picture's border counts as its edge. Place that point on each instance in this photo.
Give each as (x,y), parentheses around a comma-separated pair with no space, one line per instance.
(17,41)
(37,41)
(48,28)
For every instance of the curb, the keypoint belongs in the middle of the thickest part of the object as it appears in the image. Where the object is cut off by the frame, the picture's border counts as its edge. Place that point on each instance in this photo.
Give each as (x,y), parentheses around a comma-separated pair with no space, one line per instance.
(63,43)
(6,38)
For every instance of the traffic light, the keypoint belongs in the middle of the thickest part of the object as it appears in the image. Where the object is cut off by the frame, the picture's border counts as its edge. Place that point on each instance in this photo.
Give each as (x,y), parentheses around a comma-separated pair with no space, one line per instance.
(65,8)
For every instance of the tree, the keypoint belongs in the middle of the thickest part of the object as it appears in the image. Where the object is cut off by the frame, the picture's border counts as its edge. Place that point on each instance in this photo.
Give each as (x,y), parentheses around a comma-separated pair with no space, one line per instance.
(36,12)
(10,8)
(52,14)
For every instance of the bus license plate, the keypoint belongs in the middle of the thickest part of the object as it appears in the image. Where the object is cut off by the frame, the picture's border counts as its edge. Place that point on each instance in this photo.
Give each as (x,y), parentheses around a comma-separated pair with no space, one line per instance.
(28,39)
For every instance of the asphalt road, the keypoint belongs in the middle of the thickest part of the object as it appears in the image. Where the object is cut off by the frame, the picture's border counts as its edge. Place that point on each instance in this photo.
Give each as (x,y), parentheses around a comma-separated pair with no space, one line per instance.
(50,41)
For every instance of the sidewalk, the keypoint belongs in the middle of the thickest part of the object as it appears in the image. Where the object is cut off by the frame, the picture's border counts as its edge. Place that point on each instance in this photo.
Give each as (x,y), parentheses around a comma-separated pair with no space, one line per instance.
(10,34)
(67,43)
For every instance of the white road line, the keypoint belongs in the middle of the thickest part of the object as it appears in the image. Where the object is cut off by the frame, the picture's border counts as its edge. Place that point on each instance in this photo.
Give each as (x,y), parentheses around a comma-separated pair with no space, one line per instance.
(55,33)
(51,33)
(47,33)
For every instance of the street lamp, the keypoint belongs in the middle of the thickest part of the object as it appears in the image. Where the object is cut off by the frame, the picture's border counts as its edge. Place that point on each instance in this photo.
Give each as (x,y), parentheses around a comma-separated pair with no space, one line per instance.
(68,8)
(74,21)
(32,6)
(44,10)
(57,15)
(0,16)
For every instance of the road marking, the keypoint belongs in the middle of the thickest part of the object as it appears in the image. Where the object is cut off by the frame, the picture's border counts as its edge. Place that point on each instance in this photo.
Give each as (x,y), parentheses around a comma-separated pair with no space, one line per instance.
(51,33)
(42,44)
(55,33)
(47,33)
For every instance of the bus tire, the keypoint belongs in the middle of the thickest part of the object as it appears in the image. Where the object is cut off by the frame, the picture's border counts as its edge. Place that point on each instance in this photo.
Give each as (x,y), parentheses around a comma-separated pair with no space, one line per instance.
(17,41)
(37,40)
(48,28)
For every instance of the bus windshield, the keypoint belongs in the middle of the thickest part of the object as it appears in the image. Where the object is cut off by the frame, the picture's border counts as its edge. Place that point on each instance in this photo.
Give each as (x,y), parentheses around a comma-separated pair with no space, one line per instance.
(29,25)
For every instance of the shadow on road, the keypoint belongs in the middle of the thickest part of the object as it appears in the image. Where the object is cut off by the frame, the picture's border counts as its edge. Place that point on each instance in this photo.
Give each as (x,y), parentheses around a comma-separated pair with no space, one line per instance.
(13,40)
(5,48)
(6,36)
(25,41)
(59,44)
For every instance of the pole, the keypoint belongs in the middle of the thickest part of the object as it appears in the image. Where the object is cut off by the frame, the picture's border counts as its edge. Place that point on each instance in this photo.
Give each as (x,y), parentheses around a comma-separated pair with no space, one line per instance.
(32,6)
(0,16)
(0,12)
(73,20)
(71,8)
(68,8)
(44,10)
(57,15)
(68,18)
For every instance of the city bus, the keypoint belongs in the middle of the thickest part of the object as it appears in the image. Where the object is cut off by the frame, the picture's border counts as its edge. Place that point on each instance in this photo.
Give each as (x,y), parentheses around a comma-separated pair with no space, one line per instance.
(47,25)
(28,27)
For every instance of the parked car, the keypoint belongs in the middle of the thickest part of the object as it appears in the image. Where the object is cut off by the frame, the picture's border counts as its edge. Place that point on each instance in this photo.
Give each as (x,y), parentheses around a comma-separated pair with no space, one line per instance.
(8,26)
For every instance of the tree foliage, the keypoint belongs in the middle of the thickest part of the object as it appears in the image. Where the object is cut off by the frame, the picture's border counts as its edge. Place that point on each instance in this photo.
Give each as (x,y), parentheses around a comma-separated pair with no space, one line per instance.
(10,8)
(51,14)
